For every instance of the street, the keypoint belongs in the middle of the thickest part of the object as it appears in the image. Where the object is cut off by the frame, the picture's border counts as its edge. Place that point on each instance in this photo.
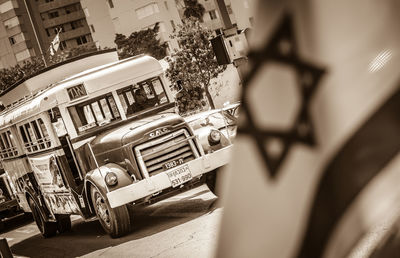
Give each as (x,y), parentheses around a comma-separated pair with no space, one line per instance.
(185,225)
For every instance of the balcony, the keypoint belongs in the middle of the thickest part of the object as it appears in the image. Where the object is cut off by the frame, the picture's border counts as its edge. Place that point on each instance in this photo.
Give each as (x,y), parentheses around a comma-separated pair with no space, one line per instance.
(64,19)
(10,14)
(18,47)
(74,33)
(55,4)
(15,30)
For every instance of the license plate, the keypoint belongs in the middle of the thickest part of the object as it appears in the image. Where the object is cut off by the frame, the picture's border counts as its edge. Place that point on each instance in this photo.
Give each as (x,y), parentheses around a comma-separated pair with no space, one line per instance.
(173,163)
(179,176)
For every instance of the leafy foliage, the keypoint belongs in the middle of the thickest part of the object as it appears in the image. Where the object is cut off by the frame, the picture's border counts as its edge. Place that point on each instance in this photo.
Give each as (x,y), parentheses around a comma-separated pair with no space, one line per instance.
(65,54)
(194,65)
(141,42)
(194,9)
(9,76)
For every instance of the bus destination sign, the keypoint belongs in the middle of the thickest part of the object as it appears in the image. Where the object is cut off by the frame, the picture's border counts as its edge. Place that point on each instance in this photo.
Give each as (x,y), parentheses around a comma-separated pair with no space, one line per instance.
(76,92)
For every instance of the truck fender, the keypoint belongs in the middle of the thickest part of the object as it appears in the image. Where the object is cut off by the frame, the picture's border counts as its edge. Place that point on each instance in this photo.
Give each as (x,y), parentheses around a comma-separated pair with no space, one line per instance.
(95,178)
(202,134)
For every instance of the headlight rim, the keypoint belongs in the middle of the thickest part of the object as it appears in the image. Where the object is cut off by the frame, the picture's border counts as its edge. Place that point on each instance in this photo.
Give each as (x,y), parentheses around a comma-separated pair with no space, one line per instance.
(114,182)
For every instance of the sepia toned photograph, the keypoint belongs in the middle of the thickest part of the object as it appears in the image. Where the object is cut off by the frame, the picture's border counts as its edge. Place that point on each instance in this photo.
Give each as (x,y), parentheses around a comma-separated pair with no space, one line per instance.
(199,128)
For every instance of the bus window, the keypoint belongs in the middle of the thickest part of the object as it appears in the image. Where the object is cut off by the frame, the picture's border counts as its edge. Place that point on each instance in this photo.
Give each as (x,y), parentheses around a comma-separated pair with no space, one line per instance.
(35,136)
(144,95)
(45,133)
(94,112)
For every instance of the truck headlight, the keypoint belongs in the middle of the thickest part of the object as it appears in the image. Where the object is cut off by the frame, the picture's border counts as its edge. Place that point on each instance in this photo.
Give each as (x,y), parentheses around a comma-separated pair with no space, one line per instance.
(111,179)
(214,137)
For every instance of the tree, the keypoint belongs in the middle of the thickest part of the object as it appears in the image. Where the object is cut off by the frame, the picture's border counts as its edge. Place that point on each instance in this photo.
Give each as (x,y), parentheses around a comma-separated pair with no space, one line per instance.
(10,76)
(194,9)
(193,66)
(141,42)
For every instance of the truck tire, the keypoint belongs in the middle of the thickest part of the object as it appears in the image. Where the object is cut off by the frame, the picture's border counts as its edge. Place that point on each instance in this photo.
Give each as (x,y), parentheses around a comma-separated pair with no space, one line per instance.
(116,222)
(47,229)
(63,223)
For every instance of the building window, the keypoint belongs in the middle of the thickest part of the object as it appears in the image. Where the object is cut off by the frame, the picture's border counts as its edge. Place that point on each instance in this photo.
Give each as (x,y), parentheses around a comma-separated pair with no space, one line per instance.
(87,14)
(53,15)
(173,24)
(83,39)
(218,32)
(213,14)
(63,45)
(110,3)
(147,10)
(48,1)
(72,8)
(92,28)
(16,38)
(77,24)
(166,5)
(11,22)
(12,40)
(22,55)
(7,6)
(229,9)
(48,33)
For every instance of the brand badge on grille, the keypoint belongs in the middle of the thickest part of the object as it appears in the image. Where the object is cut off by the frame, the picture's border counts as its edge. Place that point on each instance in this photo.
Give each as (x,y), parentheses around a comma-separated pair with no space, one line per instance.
(158,132)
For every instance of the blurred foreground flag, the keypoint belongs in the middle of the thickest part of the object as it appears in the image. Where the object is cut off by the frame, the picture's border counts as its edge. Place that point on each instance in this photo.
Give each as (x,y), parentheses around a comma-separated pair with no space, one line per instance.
(317,161)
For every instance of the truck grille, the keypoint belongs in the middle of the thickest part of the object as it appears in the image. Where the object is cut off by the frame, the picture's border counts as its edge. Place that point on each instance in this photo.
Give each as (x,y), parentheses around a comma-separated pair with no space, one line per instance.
(177,146)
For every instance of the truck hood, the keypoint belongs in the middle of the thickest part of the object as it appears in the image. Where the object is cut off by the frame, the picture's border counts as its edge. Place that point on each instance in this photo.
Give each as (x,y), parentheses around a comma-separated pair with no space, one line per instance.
(135,131)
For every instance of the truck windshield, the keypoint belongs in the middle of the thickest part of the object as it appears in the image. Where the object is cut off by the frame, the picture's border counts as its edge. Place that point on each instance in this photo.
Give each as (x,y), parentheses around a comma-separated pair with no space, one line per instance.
(142,96)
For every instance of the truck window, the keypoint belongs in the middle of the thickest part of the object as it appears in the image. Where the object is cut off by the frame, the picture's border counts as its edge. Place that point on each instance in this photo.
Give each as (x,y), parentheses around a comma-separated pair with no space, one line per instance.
(141,96)
(95,112)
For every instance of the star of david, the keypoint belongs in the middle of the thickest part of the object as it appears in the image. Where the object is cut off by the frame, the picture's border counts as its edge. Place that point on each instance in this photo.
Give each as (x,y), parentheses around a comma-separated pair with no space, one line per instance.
(281,48)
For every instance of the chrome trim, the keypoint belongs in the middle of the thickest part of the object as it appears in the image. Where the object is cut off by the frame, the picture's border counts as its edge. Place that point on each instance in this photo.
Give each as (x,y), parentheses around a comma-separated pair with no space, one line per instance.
(157,141)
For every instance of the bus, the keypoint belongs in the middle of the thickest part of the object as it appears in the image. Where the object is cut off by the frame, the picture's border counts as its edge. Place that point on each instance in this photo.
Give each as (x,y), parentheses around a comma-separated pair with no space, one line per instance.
(102,141)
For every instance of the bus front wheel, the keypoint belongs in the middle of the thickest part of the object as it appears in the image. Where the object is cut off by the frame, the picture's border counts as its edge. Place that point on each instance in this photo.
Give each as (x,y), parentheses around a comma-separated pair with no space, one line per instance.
(115,221)
(48,229)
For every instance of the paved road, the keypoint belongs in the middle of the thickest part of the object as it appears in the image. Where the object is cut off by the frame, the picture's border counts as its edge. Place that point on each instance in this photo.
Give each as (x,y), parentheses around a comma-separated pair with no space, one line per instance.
(182,226)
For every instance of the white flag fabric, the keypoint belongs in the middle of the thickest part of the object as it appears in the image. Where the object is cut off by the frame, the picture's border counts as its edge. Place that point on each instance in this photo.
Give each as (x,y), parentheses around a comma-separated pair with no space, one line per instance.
(317,155)
(55,43)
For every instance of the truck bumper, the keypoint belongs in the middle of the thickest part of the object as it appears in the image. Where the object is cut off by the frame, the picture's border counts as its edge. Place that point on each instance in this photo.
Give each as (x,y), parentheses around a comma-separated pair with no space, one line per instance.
(154,184)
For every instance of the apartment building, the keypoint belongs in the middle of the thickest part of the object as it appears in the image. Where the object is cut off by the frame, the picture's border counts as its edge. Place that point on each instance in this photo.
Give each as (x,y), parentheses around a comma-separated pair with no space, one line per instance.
(50,16)
(109,17)
(17,40)
(244,12)
(28,26)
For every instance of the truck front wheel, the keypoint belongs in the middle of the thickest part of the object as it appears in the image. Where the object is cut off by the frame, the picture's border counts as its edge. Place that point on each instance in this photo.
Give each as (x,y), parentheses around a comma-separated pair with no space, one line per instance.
(115,222)
(48,229)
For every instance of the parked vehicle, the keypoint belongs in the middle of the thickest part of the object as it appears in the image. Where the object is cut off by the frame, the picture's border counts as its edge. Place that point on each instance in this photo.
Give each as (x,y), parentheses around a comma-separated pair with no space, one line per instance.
(9,207)
(101,141)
